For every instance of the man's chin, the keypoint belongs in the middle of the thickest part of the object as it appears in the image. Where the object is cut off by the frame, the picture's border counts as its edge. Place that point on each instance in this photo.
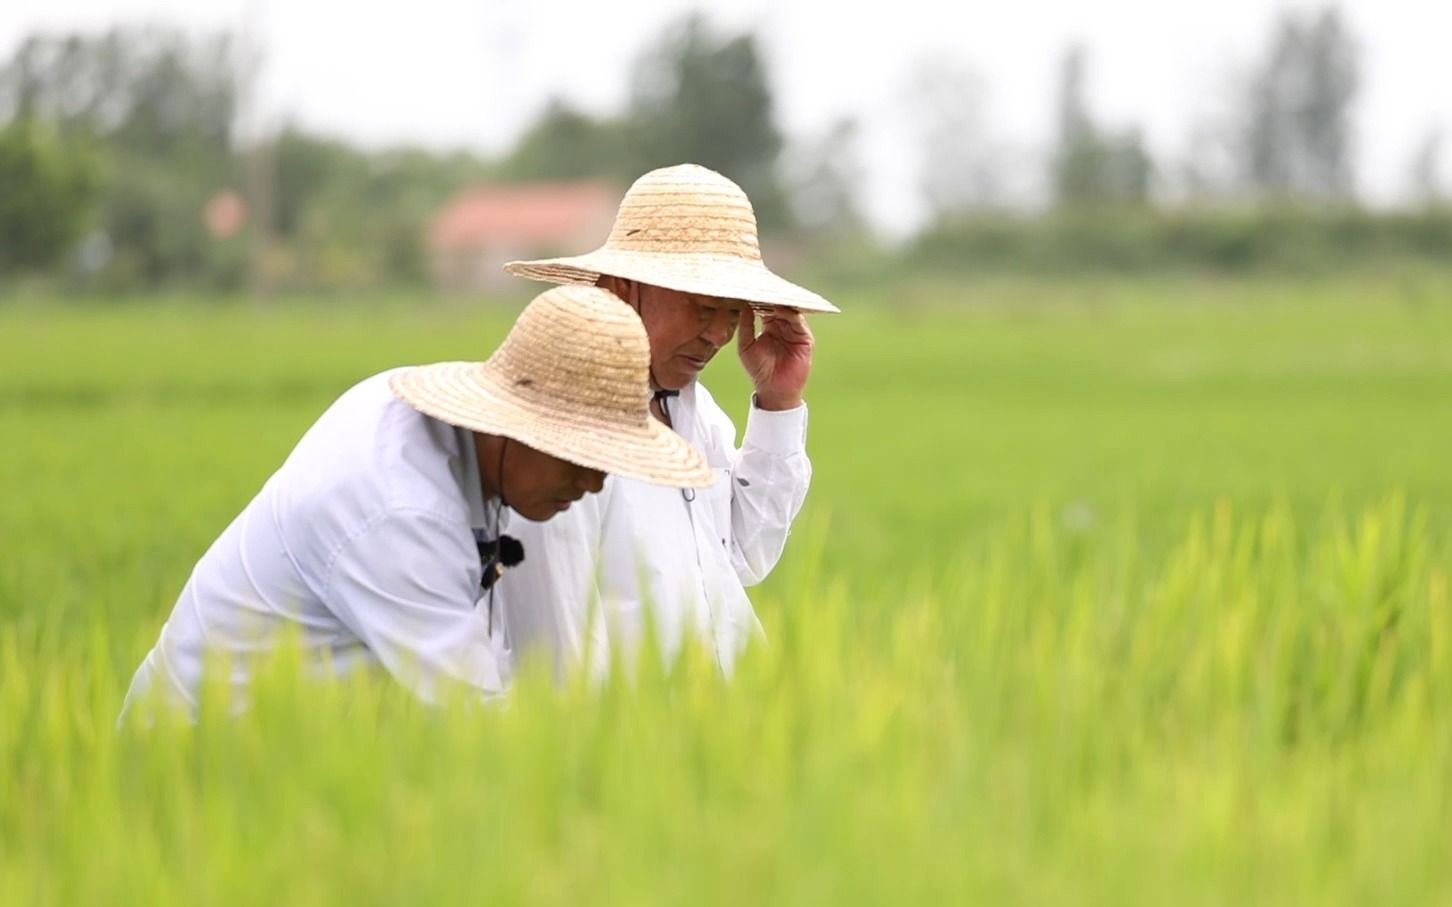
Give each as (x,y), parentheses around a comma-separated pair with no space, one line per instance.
(682,370)
(543,510)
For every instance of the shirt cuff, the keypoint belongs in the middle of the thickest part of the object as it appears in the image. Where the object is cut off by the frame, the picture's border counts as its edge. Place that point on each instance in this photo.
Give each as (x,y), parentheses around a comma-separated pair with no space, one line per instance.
(781,432)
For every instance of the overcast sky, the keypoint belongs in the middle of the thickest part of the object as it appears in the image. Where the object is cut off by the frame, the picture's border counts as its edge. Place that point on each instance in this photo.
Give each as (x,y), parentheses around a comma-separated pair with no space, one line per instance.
(472,73)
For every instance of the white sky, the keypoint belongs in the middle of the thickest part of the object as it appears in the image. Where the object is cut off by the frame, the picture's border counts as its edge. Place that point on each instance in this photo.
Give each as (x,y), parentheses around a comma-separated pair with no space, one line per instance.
(472,72)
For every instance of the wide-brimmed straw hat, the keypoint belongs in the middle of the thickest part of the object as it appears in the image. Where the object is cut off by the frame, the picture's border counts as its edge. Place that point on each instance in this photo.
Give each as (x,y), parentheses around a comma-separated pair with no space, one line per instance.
(570,380)
(684,228)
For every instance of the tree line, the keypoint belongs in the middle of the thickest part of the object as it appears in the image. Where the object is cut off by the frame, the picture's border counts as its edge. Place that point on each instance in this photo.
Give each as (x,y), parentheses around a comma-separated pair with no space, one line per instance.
(119,151)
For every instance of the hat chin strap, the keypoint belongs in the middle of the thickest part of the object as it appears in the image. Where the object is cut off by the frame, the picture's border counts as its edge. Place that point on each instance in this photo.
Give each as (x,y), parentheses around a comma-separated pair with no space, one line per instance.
(499,474)
(661,397)
(503,550)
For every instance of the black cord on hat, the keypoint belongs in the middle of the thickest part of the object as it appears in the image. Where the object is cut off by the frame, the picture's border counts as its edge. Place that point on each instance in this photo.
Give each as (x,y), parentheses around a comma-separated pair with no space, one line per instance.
(502,551)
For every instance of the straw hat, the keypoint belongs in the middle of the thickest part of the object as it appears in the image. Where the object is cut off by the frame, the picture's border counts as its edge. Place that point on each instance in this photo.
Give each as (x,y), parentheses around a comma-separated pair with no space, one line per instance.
(684,228)
(570,380)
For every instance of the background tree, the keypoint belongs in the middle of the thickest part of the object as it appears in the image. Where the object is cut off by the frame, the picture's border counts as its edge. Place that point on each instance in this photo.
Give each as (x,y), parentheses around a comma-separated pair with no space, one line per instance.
(1296,142)
(567,144)
(159,105)
(1091,166)
(704,97)
(49,197)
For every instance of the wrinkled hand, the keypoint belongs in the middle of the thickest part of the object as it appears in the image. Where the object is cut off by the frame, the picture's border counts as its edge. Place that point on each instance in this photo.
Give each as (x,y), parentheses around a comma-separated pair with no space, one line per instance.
(779,359)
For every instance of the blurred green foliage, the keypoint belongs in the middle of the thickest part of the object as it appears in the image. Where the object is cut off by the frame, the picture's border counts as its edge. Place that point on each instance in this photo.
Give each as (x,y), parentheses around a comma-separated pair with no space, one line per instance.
(1287,239)
(160,109)
(114,144)
(49,195)
(1108,591)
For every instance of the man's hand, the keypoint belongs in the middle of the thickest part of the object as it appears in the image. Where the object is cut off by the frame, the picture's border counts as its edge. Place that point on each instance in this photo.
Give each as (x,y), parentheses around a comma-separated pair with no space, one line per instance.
(779,359)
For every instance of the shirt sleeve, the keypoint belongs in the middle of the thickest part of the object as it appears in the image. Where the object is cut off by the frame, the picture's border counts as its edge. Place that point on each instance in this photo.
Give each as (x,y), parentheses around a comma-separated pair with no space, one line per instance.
(769,481)
(406,586)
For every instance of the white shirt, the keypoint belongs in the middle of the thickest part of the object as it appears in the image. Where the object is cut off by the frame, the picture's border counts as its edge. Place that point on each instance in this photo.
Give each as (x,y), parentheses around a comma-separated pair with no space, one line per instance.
(363,544)
(688,556)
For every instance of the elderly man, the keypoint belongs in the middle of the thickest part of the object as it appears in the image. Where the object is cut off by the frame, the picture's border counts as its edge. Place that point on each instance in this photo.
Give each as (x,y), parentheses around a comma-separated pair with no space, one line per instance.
(378,541)
(684,254)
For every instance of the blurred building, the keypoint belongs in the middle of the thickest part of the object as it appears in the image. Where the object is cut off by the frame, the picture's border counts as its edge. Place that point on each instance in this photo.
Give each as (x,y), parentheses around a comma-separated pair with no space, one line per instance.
(480,229)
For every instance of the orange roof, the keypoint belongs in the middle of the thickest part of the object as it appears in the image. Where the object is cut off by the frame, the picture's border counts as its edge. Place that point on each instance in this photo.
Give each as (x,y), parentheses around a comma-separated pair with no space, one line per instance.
(535,213)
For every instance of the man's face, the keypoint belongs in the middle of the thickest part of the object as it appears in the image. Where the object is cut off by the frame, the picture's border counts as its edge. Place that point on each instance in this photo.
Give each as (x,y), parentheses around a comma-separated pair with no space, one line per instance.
(686,329)
(537,485)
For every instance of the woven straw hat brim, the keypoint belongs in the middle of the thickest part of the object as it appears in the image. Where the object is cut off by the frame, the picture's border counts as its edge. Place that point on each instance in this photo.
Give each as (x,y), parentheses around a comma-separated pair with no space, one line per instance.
(466,395)
(724,276)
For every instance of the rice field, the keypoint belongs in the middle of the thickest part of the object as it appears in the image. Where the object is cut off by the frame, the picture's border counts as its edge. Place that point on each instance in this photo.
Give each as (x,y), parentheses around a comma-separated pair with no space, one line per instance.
(1105,593)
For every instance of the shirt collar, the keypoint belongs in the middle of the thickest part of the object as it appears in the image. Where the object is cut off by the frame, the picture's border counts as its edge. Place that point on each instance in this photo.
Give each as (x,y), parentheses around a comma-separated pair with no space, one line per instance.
(683,412)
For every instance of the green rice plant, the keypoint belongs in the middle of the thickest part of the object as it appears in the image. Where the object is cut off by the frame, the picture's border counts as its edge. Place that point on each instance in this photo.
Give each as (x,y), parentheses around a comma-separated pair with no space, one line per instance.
(1108,593)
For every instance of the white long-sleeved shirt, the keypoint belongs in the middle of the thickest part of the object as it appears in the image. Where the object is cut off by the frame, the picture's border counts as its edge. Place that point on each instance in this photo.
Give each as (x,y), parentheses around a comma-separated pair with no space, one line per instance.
(364,544)
(688,557)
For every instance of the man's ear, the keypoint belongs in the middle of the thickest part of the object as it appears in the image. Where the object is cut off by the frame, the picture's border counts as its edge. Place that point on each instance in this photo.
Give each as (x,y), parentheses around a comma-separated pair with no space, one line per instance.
(627,290)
